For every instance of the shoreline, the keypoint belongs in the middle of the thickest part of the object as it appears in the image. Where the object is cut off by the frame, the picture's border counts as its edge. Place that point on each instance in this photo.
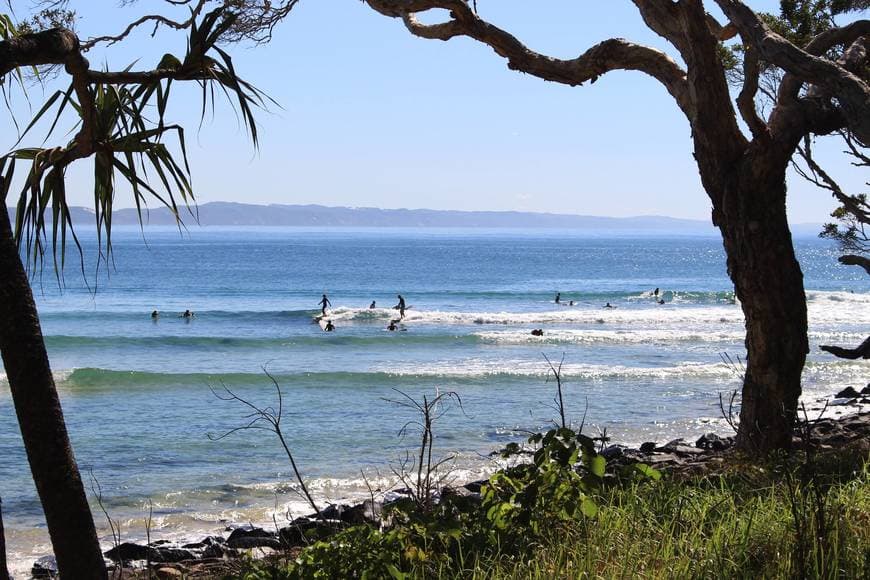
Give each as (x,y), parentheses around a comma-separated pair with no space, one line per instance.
(226,541)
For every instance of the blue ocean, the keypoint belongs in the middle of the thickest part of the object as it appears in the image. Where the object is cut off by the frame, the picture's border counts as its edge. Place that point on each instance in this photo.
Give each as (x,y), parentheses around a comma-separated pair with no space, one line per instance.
(139,393)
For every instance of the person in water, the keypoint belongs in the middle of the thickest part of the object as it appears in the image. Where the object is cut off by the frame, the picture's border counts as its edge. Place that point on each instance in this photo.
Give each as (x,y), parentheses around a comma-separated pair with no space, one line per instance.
(187,314)
(372,305)
(155,315)
(656,292)
(392,327)
(661,301)
(558,299)
(538,332)
(324,302)
(401,307)
(608,305)
(571,303)
(329,326)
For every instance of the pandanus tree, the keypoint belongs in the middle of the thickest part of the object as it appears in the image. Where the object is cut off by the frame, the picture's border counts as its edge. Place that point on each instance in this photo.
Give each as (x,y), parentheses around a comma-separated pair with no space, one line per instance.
(823,88)
(119,123)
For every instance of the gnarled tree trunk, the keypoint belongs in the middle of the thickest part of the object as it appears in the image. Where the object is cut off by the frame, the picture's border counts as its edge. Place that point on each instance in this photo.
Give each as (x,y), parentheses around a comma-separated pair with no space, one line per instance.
(751,216)
(40,417)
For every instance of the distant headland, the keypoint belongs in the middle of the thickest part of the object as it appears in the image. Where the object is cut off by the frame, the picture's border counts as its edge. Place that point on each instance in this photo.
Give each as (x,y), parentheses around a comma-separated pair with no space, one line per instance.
(222,213)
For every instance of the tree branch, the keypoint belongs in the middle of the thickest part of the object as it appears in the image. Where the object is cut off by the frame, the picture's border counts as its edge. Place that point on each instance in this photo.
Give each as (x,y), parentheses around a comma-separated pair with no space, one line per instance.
(852,93)
(157,19)
(746,98)
(613,54)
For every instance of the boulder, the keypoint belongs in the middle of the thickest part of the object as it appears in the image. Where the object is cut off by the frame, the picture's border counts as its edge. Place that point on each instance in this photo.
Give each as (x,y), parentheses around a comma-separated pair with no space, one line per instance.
(612,452)
(711,441)
(848,393)
(161,554)
(127,551)
(247,538)
(866,390)
(475,486)
(648,447)
(45,567)
(303,531)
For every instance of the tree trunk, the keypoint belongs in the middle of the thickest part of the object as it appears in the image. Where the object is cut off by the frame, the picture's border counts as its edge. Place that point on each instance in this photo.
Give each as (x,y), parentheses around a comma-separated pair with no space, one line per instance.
(69,519)
(769,283)
(4,570)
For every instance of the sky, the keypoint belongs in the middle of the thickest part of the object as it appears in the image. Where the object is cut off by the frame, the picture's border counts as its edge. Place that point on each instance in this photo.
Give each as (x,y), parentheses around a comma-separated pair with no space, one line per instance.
(371,116)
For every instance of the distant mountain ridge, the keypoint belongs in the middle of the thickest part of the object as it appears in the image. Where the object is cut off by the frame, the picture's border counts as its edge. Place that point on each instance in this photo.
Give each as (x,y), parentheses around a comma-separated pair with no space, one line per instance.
(221,213)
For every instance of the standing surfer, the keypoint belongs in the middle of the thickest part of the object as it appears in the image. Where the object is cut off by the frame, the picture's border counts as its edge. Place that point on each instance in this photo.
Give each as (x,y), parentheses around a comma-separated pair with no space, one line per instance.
(401,307)
(324,302)
(558,299)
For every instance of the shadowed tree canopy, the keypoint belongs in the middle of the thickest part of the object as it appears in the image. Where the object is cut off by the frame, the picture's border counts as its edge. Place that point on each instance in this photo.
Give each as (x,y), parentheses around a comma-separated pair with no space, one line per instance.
(118,121)
(800,75)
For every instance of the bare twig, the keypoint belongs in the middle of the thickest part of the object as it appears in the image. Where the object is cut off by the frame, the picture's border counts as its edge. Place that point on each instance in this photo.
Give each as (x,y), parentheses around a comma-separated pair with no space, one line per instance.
(556,371)
(266,419)
(114,525)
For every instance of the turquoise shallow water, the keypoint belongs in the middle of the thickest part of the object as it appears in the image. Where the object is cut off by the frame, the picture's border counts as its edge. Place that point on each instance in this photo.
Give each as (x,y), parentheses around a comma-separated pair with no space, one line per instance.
(137,392)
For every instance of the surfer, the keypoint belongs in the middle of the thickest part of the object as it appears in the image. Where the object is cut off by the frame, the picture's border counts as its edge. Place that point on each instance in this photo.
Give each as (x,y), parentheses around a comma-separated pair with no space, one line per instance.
(558,299)
(324,302)
(661,301)
(538,332)
(571,303)
(656,292)
(400,307)
(187,315)
(609,305)
(372,305)
(392,327)
(155,315)
(329,326)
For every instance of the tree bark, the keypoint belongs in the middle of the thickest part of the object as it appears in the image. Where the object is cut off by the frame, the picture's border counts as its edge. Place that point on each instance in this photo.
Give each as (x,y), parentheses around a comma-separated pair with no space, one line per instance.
(40,417)
(4,570)
(769,283)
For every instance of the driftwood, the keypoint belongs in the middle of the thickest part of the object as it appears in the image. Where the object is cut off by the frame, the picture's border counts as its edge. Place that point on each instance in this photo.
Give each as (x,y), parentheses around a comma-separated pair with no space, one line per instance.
(862,351)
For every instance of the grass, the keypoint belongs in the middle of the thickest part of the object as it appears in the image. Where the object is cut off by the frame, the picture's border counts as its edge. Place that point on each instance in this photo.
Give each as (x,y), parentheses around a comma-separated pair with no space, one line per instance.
(755,521)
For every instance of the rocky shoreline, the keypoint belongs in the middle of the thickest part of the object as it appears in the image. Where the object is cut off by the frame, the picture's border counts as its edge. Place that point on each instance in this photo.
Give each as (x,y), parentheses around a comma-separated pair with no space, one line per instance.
(216,555)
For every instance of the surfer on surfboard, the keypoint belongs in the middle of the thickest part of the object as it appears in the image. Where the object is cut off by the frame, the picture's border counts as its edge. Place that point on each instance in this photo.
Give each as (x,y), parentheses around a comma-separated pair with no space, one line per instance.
(324,302)
(400,307)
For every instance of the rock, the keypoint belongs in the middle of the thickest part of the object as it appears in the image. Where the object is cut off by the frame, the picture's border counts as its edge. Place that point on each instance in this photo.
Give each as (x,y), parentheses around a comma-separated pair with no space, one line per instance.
(361,513)
(45,567)
(670,445)
(842,401)
(476,486)
(334,510)
(866,390)
(612,452)
(168,573)
(864,401)
(245,539)
(648,447)
(204,543)
(219,551)
(848,393)
(303,531)
(164,555)
(127,551)
(713,442)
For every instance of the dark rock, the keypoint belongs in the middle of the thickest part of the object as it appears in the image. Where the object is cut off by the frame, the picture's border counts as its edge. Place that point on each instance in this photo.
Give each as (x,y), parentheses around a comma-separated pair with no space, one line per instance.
(711,441)
(612,452)
(161,554)
(848,393)
(333,511)
(219,551)
(204,543)
(45,567)
(475,486)
(866,390)
(127,551)
(671,445)
(245,539)
(864,401)
(303,531)
(361,513)
(648,447)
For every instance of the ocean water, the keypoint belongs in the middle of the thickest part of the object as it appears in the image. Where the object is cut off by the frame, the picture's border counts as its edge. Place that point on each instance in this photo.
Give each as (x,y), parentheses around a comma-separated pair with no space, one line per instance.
(138,393)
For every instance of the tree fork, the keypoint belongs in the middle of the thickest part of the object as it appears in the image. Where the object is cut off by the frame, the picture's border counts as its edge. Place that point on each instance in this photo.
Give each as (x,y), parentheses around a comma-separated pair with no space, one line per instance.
(40,417)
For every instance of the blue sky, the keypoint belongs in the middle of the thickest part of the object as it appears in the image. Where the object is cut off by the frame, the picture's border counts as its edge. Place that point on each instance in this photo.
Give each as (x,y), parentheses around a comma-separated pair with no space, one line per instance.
(372,116)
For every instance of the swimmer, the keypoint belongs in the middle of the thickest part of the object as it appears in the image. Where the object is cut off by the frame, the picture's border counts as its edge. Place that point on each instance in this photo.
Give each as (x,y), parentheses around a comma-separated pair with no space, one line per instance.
(661,301)
(372,305)
(571,303)
(392,327)
(558,299)
(538,332)
(609,305)
(656,292)
(187,314)
(155,315)
(329,326)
